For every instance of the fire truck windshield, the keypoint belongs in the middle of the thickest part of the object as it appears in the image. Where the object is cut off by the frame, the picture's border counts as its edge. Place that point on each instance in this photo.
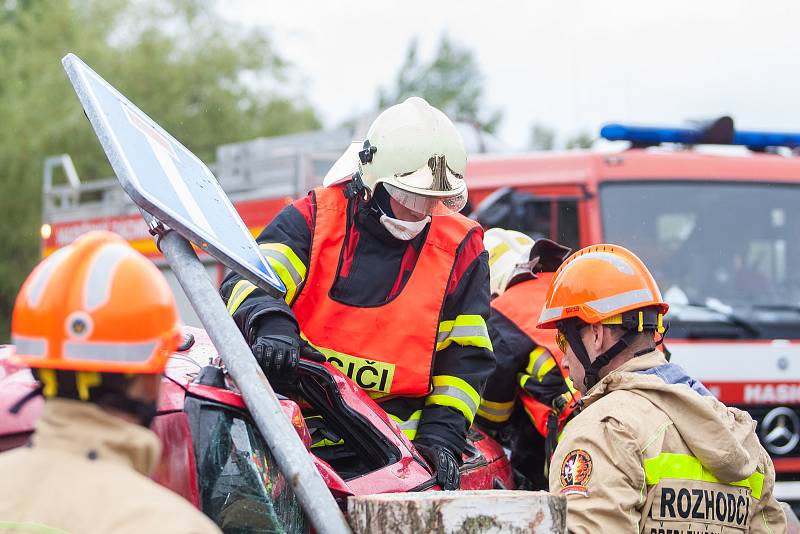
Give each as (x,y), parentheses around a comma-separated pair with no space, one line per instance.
(735,243)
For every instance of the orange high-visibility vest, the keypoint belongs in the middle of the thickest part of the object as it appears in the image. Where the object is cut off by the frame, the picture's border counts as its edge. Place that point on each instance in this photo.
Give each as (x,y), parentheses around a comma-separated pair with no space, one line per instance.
(521,304)
(386,349)
(539,412)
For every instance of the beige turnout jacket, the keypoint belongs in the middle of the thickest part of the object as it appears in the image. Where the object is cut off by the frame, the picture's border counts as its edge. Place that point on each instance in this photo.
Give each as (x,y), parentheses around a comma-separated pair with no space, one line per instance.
(86,472)
(653,453)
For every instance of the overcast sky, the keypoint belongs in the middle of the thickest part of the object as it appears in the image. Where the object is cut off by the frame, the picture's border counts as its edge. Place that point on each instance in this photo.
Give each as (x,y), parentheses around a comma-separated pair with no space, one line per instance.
(569,64)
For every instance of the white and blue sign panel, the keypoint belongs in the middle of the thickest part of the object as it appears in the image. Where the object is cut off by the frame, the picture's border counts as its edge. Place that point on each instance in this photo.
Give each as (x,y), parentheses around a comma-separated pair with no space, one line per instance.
(166,180)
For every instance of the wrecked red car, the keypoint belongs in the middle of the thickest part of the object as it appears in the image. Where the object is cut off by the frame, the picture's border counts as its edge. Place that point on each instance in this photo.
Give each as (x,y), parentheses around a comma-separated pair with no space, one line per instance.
(215,457)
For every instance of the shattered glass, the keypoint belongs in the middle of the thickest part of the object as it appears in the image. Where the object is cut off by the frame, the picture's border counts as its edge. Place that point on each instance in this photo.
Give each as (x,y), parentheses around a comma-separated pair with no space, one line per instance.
(241,488)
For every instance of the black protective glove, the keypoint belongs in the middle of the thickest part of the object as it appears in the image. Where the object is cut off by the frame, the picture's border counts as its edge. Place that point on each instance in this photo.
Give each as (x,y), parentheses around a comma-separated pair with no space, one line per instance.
(279,355)
(276,344)
(444,463)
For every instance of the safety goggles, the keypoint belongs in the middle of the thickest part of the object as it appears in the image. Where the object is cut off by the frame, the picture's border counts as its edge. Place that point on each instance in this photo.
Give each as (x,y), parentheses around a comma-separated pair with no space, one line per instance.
(426,204)
(561,337)
(637,320)
(561,341)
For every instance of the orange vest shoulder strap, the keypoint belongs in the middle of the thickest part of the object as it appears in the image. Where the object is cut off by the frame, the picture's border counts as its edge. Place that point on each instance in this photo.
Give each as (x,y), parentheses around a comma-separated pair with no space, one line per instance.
(449,231)
(330,199)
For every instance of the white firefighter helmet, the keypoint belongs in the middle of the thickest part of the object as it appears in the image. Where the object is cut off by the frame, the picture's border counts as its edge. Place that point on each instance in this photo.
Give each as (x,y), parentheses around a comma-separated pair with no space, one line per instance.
(507,250)
(417,153)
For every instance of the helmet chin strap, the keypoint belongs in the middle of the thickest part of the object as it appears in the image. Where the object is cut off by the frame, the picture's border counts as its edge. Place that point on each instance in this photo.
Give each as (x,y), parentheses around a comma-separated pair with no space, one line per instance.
(592,368)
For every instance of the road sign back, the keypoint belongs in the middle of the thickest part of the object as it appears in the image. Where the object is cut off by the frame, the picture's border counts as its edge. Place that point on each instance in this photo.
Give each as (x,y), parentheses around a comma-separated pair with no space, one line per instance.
(166,180)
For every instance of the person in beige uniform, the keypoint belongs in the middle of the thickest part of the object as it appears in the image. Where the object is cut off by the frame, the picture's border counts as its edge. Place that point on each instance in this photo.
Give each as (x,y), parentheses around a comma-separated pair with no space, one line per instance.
(96,323)
(652,451)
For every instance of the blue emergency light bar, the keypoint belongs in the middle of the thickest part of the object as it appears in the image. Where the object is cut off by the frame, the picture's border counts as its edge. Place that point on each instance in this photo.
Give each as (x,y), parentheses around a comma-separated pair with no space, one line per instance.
(720,132)
(766,139)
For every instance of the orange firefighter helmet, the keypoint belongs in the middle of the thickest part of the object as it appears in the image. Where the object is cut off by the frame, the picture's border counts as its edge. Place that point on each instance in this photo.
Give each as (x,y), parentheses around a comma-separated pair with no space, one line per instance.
(598,284)
(95,305)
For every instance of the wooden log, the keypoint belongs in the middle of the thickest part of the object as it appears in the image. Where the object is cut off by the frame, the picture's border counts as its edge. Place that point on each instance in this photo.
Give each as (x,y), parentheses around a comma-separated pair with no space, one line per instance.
(458,512)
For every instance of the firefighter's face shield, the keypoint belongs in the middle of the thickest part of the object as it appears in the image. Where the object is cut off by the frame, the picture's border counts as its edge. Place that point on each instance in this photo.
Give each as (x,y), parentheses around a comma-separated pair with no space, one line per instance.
(424,204)
(434,189)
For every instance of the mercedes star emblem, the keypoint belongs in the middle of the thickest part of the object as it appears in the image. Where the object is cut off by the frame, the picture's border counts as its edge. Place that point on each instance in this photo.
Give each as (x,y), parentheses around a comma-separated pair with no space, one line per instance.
(780,430)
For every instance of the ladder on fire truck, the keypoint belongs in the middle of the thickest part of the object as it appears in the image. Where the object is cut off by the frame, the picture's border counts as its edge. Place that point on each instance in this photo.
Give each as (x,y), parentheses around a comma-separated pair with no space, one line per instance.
(275,167)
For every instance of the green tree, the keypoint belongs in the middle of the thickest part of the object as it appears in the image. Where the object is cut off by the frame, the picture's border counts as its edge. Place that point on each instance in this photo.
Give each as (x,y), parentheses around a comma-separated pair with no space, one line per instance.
(543,137)
(206,80)
(582,139)
(452,81)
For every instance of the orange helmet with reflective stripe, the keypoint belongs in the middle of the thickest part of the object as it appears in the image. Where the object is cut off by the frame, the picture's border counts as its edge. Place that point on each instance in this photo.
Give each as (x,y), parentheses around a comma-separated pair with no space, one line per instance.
(599,283)
(95,305)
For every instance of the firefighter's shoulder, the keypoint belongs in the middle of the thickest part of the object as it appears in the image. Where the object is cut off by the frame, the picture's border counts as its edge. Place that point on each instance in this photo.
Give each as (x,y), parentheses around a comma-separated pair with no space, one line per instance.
(600,449)
(620,409)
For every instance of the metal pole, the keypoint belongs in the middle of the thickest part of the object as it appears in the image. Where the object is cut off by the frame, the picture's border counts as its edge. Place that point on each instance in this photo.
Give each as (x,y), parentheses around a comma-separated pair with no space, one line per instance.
(290,453)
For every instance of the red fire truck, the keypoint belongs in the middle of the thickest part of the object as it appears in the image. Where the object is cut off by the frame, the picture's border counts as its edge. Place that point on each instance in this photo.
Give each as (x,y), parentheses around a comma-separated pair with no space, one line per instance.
(720,232)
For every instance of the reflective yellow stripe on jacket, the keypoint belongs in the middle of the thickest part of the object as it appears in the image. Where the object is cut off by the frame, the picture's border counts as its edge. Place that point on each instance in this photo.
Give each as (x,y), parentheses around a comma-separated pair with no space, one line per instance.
(408,426)
(456,393)
(687,467)
(465,330)
(287,265)
(497,412)
(540,362)
(240,292)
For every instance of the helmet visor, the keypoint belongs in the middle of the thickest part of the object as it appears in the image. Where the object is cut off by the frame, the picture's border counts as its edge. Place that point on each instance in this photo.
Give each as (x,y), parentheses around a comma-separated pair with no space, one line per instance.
(428,205)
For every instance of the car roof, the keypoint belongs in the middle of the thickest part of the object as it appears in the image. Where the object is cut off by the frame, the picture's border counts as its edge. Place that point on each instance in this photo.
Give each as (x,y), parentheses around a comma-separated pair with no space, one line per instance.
(183,366)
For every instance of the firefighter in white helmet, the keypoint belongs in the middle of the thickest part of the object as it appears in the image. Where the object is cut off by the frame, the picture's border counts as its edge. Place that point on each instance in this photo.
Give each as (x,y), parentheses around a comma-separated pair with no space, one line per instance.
(509,257)
(527,399)
(387,280)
